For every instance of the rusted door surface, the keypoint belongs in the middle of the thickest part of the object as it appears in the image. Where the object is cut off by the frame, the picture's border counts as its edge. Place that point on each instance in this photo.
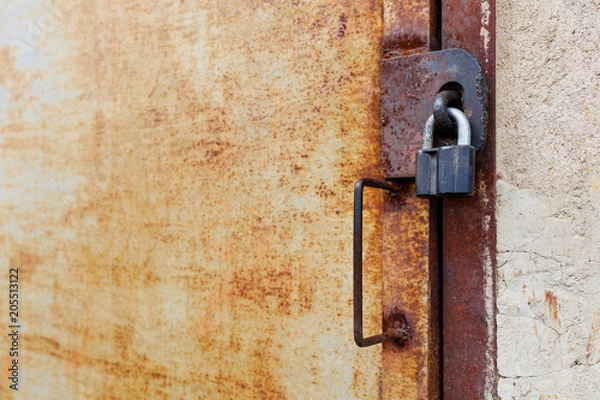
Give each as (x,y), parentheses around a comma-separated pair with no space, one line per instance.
(177,196)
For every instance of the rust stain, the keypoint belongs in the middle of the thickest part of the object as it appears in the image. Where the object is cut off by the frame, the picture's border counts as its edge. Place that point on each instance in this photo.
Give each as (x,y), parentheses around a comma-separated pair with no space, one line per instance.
(342,27)
(593,344)
(188,184)
(409,27)
(278,291)
(552,303)
(396,325)
(73,362)
(27,261)
(411,289)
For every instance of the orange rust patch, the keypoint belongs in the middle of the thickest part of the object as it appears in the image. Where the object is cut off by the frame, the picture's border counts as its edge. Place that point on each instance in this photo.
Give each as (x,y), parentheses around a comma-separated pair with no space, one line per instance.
(25,259)
(552,304)
(408,27)
(274,290)
(410,276)
(593,343)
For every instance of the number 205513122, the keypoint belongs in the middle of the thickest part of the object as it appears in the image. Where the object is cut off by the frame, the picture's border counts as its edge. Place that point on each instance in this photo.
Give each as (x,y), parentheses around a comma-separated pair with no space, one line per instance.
(14,326)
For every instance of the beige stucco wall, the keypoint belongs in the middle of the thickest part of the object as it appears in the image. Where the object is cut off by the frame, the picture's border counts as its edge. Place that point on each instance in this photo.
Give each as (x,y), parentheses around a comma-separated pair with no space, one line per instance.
(548,199)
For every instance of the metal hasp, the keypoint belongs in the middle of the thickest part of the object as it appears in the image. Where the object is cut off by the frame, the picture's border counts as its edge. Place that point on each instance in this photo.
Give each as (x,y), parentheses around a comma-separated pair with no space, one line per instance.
(399,331)
(410,85)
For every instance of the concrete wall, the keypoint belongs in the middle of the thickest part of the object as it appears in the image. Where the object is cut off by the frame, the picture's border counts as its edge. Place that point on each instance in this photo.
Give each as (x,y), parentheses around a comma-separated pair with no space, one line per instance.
(548,199)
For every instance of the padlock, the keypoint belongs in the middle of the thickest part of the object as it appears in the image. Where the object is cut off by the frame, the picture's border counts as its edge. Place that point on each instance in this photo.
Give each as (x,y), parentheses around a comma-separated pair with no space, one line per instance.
(427,163)
(456,164)
(446,170)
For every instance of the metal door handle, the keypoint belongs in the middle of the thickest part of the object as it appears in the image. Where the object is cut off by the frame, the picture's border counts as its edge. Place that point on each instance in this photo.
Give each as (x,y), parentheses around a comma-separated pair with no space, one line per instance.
(395,333)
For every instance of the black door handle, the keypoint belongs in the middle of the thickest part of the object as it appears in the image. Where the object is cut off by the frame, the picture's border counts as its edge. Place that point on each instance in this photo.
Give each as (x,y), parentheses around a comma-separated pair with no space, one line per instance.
(396,334)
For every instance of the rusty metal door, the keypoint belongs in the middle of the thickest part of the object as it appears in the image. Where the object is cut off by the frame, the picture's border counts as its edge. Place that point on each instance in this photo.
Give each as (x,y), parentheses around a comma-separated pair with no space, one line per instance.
(177,198)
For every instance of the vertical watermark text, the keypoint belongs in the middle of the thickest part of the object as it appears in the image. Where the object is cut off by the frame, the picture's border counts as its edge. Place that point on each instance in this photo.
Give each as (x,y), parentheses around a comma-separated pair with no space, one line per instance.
(13,327)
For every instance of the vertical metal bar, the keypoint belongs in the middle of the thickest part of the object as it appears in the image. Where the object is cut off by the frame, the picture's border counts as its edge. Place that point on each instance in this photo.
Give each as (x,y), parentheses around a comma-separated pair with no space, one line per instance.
(469,237)
(410,26)
(410,263)
(411,287)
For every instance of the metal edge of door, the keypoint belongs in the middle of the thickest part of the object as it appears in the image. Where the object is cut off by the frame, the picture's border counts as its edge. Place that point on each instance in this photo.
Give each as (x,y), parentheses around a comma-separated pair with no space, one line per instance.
(410,226)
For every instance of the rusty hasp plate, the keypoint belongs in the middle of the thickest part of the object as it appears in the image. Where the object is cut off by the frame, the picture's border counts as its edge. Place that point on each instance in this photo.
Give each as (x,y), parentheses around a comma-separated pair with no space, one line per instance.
(409,87)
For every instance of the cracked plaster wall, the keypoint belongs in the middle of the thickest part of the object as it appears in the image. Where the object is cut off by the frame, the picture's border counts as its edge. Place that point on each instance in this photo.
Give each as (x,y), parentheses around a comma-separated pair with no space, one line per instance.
(548,97)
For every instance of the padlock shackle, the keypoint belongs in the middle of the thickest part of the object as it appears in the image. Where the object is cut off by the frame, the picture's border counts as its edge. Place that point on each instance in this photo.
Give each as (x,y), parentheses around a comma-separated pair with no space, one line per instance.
(428,133)
(463,126)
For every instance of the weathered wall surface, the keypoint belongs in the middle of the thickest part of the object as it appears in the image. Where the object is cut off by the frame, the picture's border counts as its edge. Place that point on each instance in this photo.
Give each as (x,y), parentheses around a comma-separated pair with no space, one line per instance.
(176,191)
(549,199)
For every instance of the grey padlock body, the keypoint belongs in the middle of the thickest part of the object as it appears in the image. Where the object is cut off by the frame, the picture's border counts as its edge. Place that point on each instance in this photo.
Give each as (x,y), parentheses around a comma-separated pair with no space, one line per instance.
(426,177)
(456,170)
(447,170)
(456,164)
